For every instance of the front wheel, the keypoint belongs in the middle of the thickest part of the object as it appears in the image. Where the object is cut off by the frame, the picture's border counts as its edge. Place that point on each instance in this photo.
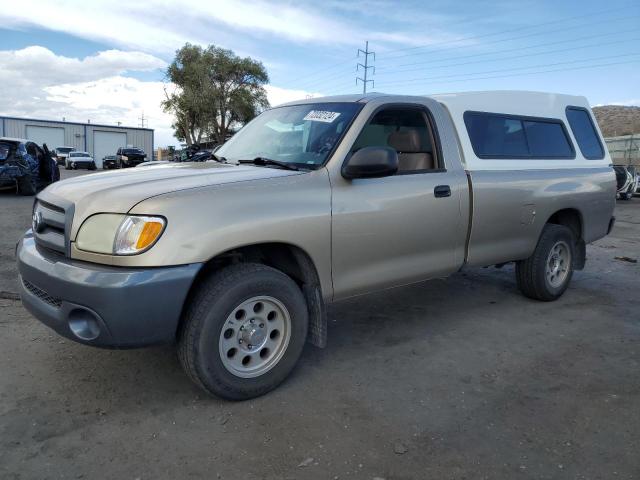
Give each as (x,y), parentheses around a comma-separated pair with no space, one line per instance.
(243,331)
(546,274)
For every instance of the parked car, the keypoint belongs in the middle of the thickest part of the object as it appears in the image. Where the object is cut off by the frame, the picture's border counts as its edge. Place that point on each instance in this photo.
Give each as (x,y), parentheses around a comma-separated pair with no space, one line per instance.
(26,166)
(62,153)
(110,161)
(79,160)
(626,180)
(201,156)
(188,153)
(130,157)
(313,202)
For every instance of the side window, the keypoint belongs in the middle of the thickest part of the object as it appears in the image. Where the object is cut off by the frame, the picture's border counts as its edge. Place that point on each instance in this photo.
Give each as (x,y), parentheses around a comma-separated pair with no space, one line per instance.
(508,136)
(547,139)
(496,136)
(585,132)
(408,131)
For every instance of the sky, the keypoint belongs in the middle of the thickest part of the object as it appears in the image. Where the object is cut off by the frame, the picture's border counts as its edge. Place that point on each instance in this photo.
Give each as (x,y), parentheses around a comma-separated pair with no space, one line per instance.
(105,61)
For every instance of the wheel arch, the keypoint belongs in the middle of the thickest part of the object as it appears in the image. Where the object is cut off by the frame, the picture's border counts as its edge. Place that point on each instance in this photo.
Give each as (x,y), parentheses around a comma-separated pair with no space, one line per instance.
(573,219)
(289,259)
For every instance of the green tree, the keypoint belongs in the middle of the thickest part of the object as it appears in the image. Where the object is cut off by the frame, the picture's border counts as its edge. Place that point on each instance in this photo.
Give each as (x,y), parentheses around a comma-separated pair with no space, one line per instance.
(213,90)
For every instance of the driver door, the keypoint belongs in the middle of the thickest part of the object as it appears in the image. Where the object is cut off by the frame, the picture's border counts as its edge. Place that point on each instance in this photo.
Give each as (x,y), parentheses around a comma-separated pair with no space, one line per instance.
(402,228)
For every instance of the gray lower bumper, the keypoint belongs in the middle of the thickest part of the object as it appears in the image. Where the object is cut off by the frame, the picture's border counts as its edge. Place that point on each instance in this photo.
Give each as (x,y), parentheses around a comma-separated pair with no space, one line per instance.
(102,305)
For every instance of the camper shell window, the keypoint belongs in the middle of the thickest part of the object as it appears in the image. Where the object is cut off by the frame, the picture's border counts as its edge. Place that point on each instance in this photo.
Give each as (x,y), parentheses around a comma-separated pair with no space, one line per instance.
(502,136)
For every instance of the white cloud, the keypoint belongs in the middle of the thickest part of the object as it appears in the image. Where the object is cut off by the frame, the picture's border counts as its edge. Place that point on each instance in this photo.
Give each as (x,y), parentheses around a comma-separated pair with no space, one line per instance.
(278,96)
(626,103)
(37,83)
(53,69)
(153,26)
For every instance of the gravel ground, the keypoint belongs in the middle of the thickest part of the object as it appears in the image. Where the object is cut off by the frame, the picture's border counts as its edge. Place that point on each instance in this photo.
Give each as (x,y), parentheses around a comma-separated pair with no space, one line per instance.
(461,378)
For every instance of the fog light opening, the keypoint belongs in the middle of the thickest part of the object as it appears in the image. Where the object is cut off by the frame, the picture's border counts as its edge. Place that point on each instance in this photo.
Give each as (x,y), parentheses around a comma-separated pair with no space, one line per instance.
(84,324)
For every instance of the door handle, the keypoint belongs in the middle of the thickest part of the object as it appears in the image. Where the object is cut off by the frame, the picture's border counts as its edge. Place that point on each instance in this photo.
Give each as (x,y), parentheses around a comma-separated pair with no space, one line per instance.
(442,191)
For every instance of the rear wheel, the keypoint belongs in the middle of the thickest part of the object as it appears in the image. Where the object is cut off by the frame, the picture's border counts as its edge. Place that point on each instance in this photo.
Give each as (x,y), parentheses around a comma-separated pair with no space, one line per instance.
(27,185)
(67,166)
(546,274)
(243,332)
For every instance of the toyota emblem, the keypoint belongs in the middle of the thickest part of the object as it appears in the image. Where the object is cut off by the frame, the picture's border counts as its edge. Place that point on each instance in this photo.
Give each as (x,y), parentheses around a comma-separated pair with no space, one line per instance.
(36,222)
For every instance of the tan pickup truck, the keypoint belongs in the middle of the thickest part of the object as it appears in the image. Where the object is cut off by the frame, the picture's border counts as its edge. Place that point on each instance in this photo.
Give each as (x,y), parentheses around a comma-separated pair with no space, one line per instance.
(312,202)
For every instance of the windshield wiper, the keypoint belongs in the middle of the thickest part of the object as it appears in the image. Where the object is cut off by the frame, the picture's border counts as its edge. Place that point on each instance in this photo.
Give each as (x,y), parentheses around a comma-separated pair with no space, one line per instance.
(262,161)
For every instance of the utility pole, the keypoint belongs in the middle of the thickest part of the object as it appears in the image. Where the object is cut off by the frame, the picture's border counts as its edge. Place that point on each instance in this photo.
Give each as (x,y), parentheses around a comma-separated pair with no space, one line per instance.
(142,120)
(365,67)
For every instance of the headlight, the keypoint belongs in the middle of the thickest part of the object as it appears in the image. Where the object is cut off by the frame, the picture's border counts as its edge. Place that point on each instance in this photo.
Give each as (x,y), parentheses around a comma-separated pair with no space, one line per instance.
(117,234)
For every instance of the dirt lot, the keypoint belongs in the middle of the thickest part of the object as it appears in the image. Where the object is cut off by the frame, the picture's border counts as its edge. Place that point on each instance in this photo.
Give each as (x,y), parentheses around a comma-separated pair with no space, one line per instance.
(460,378)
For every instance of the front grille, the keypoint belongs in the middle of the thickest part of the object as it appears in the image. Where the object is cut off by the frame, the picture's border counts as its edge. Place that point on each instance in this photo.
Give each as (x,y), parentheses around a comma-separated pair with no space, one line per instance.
(52,230)
(41,294)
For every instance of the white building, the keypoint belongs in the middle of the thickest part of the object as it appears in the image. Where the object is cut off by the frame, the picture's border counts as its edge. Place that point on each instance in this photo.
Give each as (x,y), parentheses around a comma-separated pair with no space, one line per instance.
(98,140)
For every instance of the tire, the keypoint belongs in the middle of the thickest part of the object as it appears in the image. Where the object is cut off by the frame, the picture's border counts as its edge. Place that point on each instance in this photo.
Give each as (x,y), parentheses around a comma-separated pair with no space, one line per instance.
(535,274)
(26,185)
(626,196)
(215,320)
(67,166)
(92,166)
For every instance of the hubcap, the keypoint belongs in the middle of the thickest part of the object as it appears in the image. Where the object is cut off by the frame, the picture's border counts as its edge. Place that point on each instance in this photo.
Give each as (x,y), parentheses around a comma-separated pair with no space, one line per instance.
(558,264)
(255,336)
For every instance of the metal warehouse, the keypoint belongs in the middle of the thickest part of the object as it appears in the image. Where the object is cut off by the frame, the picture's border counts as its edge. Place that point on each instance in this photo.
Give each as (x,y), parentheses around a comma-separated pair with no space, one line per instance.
(98,140)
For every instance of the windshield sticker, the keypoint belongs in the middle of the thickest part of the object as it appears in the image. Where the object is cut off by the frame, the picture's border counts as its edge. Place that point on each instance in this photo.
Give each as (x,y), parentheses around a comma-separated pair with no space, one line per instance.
(321,116)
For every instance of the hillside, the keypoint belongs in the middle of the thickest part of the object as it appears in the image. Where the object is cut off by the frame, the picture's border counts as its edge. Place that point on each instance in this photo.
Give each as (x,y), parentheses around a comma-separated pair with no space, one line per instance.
(615,120)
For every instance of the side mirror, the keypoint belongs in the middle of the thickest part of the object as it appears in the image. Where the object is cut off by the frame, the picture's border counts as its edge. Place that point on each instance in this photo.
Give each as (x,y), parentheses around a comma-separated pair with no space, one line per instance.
(371,162)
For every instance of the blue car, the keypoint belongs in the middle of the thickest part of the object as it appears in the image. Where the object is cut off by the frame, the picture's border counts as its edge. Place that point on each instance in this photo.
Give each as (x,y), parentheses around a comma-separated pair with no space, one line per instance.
(26,166)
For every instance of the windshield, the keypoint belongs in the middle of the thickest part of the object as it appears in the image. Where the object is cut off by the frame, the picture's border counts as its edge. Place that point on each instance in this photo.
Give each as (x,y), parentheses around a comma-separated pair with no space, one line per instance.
(78,154)
(64,149)
(303,135)
(132,151)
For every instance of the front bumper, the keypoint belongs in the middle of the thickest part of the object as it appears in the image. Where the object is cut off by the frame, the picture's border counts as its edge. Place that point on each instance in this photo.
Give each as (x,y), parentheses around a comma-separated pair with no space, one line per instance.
(100,305)
(81,163)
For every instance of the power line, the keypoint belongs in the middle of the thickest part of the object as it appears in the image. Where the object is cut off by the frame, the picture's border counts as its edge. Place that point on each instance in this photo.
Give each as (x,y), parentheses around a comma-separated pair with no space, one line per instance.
(535,73)
(474,37)
(412,80)
(516,56)
(519,37)
(330,73)
(366,67)
(326,69)
(516,49)
(584,67)
(325,78)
